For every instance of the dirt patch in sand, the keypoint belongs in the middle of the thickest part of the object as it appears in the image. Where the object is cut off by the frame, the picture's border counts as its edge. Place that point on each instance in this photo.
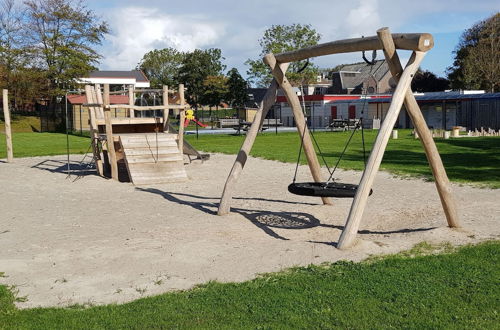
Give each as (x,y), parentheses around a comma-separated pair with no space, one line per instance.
(91,240)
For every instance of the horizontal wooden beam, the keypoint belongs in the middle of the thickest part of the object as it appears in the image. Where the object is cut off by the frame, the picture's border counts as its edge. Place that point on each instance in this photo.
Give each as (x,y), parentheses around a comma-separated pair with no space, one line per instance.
(408,41)
(147,107)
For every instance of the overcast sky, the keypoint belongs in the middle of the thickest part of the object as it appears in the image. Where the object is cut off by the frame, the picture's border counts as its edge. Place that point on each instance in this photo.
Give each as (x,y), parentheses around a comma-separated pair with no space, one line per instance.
(235,26)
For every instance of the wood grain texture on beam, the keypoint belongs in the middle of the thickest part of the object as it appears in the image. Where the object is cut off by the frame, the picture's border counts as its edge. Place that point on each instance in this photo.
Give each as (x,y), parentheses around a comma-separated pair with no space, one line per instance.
(145,107)
(92,99)
(431,151)
(182,117)
(131,100)
(408,41)
(300,122)
(8,130)
(166,111)
(348,236)
(109,134)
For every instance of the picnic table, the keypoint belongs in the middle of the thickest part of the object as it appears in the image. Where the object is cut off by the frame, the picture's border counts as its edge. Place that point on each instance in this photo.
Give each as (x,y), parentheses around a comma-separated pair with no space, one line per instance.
(344,124)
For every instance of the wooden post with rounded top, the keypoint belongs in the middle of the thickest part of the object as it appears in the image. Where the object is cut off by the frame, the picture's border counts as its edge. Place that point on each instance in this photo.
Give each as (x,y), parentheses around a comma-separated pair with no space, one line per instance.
(431,151)
(182,117)
(8,131)
(131,100)
(109,133)
(293,99)
(348,235)
(166,111)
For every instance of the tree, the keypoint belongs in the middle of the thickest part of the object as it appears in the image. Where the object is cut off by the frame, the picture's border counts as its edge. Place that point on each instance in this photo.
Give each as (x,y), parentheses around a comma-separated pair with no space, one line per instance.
(237,94)
(162,66)
(63,35)
(426,81)
(214,91)
(284,38)
(12,50)
(196,67)
(477,57)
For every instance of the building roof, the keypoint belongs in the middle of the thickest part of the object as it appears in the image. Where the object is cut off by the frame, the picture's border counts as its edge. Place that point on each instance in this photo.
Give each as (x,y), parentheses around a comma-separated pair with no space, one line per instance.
(113,99)
(136,74)
(430,97)
(256,95)
(354,75)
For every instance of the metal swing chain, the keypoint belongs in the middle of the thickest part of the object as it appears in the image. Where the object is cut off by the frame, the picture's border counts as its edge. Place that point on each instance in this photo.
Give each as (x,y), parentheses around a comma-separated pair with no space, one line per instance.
(360,125)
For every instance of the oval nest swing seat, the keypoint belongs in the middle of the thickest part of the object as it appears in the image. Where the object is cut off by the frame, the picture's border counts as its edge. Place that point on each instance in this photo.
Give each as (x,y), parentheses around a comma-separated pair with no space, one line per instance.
(324,189)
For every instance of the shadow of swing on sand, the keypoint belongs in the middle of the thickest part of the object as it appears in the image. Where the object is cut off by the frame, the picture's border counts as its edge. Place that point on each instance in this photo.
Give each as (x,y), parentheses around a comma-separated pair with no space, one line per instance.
(78,169)
(266,220)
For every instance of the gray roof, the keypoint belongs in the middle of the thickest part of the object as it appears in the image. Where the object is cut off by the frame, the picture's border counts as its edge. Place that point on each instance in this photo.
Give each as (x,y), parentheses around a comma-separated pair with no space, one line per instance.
(433,96)
(138,75)
(258,95)
(362,71)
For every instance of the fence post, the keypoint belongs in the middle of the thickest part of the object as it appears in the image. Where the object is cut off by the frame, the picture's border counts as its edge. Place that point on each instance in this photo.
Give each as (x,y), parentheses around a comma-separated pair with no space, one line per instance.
(8,132)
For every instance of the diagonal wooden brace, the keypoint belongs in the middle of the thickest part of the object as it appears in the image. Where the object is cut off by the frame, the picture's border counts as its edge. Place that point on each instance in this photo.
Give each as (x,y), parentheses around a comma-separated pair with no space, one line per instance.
(435,162)
(348,235)
(300,122)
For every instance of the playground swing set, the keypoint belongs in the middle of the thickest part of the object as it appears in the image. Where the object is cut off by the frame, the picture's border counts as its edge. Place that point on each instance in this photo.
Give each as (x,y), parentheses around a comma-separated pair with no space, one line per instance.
(419,44)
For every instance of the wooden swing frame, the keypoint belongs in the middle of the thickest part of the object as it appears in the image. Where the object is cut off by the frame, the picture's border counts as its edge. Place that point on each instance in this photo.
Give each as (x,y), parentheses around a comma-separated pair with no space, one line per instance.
(419,43)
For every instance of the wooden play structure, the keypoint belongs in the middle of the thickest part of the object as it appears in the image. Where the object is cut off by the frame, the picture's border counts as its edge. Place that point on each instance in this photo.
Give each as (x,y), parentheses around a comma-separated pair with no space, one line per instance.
(8,131)
(419,43)
(142,149)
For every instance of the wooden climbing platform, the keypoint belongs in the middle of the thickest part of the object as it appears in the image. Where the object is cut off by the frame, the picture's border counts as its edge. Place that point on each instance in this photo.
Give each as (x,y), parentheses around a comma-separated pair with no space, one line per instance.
(152,158)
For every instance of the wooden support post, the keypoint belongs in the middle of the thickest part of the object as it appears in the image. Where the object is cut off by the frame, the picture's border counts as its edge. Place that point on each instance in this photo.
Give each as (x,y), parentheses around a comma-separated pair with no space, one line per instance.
(94,135)
(241,158)
(8,131)
(109,134)
(348,235)
(166,111)
(422,131)
(131,100)
(182,117)
(312,159)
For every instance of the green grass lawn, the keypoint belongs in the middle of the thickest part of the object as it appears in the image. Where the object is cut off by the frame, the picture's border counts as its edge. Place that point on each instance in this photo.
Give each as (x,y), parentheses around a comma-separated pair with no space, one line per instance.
(458,290)
(43,144)
(468,160)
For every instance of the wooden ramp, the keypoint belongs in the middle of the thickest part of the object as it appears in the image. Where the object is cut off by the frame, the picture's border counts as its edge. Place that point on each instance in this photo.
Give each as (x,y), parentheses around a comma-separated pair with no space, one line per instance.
(152,158)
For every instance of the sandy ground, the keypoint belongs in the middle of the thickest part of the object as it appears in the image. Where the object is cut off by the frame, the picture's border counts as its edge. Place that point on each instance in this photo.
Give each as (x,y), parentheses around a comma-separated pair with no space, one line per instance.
(89,240)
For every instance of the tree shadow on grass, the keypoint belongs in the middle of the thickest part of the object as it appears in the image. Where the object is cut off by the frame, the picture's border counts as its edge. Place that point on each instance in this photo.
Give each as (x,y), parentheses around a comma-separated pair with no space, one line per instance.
(265,220)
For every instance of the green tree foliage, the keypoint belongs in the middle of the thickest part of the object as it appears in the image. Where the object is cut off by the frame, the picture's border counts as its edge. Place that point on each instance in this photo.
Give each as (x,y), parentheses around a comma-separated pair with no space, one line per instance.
(162,66)
(214,90)
(12,47)
(477,57)
(196,67)
(63,35)
(426,81)
(237,94)
(284,38)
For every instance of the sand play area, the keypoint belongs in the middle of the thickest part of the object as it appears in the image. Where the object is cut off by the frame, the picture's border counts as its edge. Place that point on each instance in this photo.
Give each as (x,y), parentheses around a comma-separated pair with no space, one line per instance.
(89,240)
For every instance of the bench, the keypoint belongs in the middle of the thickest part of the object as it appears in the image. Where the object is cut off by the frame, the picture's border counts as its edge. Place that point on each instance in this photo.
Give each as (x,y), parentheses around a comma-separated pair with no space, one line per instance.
(228,122)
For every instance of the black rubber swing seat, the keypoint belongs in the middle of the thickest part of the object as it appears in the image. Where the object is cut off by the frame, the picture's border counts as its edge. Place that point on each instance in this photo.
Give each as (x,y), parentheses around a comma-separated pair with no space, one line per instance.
(322,189)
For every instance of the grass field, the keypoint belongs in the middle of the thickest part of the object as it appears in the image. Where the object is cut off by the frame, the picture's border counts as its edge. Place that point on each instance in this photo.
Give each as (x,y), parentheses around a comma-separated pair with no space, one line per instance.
(411,290)
(43,144)
(468,160)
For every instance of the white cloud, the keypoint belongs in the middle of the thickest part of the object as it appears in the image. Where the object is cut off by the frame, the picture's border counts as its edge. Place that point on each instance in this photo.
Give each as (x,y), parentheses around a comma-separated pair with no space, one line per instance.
(146,29)
(363,19)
